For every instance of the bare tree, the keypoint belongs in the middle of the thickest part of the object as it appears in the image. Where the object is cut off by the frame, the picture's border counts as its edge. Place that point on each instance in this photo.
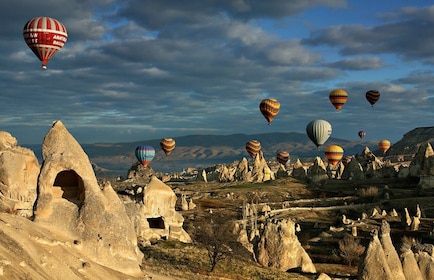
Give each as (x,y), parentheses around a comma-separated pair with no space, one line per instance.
(350,249)
(215,237)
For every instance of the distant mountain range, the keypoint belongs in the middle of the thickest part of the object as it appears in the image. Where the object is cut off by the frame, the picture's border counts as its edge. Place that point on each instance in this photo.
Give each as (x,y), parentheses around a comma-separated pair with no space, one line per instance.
(207,150)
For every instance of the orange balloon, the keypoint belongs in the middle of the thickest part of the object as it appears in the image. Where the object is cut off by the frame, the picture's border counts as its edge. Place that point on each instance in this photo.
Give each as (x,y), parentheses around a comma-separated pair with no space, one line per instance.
(384,145)
(253,147)
(282,157)
(167,145)
(334,154)
(269,108)
(338,98)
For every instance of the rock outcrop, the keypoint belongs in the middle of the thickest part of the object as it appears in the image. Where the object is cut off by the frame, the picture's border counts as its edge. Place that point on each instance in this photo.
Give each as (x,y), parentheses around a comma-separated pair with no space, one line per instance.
(317,173)
(157,218)
(19,171)
(279,248)
(71,203)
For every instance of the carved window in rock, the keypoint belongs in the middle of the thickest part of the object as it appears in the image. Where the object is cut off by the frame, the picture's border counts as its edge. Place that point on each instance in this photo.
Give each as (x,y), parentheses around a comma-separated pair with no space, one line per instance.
(156,223)
(69,185)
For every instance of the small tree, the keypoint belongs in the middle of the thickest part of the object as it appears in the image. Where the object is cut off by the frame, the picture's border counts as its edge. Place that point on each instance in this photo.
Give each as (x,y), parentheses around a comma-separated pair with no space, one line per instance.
(214,237)
(350,249)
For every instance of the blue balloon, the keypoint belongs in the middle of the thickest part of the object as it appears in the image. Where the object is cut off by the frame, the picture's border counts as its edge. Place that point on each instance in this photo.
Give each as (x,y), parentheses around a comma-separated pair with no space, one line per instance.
(145,154)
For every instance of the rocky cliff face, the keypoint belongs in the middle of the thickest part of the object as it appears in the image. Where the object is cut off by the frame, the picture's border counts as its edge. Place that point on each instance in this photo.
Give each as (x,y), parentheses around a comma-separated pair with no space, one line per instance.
(411,141)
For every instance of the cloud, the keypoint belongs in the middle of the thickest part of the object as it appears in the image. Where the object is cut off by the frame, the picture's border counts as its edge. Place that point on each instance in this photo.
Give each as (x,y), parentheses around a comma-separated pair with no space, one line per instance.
(140,69)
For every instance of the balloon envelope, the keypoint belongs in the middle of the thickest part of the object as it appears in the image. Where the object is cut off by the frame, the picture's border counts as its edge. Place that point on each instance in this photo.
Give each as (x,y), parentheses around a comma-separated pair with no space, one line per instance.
(361,134)
(372,96)
(334,154)
(253,147)
(319,131)
(384,145)
(145,154)
(269,108)
(338,98)
(45,36)
(167,145)
(282,157)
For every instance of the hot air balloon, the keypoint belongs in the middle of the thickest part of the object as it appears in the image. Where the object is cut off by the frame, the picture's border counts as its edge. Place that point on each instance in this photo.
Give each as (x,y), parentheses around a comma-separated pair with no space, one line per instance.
(372,96)
(269,108)
(282,157)
(361,134)
(145,154)
(167,145)
(338,97)
(334,154)
(319,131)
(253,147)
(384,145)
(45,36)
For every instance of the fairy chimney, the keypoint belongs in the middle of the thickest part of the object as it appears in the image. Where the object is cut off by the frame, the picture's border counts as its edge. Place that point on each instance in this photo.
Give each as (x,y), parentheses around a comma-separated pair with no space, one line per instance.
(71,202)
(280,248)
(19,170)
(158,218)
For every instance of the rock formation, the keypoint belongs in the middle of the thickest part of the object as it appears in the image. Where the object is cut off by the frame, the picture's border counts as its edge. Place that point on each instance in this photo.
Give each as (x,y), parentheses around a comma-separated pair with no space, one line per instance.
(279,248)
(299,171)
(157,218)
(353,170)
(422,166)
(317,173)
(374,265)
(71,202)
(19,171)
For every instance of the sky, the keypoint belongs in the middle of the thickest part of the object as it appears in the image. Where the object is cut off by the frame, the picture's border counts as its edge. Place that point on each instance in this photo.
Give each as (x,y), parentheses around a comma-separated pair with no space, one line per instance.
(135,70)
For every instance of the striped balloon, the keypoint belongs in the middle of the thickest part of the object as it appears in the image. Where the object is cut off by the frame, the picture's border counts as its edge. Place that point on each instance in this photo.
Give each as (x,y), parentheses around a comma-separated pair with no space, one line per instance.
(319,131)
(253,147)
(338,98)
(167,145)
(282,157)
(269,108)
(145,154)
(45,36)
(361,134)
(372,96)
(334,154)
(384,145)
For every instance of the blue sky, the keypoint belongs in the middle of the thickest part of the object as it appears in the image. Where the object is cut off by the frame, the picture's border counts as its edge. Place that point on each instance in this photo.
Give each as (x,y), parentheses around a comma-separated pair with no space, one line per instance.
(135,69)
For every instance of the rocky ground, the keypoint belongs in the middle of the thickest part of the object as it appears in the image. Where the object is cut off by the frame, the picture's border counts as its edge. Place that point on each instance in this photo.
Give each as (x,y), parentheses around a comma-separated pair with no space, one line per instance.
(324,214)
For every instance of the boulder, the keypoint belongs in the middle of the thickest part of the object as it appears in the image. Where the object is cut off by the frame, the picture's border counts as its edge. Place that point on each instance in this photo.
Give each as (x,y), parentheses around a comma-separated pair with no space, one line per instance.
(71,203)
(280,248)
(19,171)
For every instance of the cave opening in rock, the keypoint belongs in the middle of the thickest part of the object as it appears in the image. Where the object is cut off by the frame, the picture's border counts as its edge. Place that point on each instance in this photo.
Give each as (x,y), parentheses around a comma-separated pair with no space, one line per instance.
(69,185)
(156,223)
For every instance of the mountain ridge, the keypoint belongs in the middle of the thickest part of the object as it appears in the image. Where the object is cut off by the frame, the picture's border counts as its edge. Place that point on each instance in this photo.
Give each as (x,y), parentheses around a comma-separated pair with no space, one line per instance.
(208,149)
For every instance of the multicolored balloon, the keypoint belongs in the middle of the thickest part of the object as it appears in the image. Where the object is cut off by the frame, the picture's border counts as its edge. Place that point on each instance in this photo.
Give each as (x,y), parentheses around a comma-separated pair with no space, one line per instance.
(269,108)
(338,98)
(167,145)
(384,145)
(145,154)
(253,147)
(334,154)
(282,157)
(372,96)
(45,36)
(361,134)
(319,131)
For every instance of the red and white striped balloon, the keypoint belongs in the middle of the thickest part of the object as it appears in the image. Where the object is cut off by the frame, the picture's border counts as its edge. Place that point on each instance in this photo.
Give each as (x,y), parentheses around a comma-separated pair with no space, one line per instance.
(45,36)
